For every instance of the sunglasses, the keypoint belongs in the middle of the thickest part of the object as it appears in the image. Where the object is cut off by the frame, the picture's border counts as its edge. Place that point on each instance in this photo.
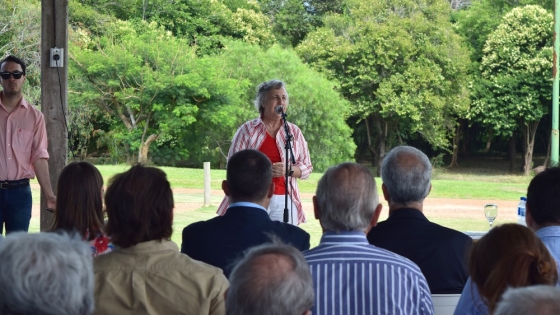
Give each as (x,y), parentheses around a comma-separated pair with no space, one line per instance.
(6,75)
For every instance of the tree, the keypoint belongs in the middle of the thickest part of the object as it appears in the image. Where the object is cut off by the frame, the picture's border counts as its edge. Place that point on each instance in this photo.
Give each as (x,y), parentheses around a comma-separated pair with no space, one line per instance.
(137,74)
(516,73)
(290,21)
(475,22)
(20,35)
(205,24)
(400,65)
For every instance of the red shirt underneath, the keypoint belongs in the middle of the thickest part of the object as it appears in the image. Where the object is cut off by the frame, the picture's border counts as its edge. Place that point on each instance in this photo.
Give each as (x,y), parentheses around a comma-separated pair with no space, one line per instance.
(269,148)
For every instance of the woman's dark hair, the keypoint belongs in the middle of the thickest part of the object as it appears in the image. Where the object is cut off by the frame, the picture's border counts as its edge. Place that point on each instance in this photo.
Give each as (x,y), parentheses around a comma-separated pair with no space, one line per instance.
(139,204)
(79,204)
(510,255)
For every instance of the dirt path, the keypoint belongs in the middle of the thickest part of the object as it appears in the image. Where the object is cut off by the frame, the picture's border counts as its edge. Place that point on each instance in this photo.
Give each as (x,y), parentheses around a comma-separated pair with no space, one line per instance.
(190,199)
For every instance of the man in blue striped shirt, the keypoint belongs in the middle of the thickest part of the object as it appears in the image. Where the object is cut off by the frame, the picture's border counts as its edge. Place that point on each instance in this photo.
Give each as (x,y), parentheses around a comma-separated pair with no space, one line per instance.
(351,276)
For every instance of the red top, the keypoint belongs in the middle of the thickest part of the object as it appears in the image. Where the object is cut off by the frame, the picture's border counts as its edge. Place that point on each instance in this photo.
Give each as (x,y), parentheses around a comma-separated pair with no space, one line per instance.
(270,149)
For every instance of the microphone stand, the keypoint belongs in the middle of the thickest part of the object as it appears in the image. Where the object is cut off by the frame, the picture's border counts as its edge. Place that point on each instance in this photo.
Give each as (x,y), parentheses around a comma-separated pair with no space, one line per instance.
(288,168)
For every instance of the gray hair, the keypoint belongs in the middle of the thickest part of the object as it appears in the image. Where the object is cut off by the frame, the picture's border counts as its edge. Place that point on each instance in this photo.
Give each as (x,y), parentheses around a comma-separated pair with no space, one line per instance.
(406,173)
(45,274)
(263,88)
(347,198)
(538,299)
(271,279)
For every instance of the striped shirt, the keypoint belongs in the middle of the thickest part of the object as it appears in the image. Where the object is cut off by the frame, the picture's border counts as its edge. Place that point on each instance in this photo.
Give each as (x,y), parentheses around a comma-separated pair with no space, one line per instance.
(251,135)
(353,277)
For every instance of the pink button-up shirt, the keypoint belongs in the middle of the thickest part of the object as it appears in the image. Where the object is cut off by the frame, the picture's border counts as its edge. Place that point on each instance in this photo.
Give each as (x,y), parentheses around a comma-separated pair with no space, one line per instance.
(23,140)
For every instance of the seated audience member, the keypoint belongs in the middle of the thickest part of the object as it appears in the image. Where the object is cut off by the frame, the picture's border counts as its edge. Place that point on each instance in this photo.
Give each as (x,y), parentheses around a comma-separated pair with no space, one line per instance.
(350,275)
(543,217)
(79,205)
(45,274)
(537,299)
(272,279)
(146,273)
(440,252)
(510,255)
(221,240)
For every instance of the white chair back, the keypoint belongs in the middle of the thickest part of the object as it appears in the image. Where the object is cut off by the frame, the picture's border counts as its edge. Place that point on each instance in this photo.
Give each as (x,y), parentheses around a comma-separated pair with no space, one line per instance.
(444,304)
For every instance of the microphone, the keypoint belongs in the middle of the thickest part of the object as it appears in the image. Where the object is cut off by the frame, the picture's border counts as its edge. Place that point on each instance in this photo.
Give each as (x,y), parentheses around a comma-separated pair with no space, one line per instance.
(279,109)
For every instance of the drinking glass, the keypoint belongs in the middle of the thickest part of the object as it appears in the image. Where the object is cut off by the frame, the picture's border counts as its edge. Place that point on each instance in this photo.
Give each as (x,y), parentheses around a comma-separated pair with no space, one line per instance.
(491,212)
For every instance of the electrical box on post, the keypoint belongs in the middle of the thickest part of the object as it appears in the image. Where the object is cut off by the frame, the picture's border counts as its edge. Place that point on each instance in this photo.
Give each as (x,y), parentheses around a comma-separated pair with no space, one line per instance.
(57,57)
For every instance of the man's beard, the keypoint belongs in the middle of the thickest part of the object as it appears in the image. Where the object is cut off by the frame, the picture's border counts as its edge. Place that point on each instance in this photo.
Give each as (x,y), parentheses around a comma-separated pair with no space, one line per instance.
(12,91)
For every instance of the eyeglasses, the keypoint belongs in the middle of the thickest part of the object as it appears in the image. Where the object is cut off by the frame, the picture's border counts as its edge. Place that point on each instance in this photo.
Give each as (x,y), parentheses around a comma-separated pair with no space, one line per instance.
(6,75)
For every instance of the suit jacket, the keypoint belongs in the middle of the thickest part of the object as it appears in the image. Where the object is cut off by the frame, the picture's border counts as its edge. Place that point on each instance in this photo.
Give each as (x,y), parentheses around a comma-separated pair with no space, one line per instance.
(221,241)
(440,252)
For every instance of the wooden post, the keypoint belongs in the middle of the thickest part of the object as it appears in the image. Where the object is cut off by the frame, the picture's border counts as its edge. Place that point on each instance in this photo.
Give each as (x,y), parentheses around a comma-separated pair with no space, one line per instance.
(54,91)
(206,184)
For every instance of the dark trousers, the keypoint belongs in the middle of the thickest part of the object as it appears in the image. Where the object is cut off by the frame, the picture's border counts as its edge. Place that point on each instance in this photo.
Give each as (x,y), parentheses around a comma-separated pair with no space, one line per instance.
(15,208)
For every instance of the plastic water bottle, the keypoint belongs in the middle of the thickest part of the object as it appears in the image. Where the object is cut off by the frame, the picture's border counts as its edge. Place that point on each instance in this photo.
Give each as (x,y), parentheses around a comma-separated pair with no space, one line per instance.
(521,211)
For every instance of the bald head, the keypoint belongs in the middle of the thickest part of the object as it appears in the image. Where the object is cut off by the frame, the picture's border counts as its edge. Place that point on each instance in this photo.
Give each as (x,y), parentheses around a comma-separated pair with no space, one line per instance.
(272,279)
(346,198)
(270,268)
(406,173)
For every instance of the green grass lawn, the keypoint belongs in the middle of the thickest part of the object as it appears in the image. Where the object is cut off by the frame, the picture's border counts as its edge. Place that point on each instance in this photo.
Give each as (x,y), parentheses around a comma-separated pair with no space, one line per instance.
(446,184)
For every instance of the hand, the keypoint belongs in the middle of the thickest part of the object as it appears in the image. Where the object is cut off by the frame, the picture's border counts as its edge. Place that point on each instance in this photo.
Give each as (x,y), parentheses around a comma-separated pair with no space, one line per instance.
(278,169)
(51,203)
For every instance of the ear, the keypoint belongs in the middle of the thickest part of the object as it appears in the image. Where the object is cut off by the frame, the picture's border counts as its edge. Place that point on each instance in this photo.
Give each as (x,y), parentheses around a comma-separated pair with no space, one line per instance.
(376,214)
(225,294)
(308,312)
(225,187)
(374,218)
(316,209)
(385,193)
(271,190)
(430,188)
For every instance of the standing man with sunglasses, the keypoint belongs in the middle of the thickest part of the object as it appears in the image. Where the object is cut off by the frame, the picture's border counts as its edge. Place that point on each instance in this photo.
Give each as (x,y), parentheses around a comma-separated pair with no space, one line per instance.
(23,149)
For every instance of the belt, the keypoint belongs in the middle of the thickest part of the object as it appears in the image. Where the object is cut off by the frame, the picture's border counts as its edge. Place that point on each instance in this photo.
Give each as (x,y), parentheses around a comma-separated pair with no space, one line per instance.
(8,184)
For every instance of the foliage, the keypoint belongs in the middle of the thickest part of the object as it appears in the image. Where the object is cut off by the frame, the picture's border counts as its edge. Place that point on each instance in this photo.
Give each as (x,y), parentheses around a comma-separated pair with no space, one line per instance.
(516,70)
(20,35)
(138,74)
(204,23)
(290,20)
(399,63)
(516,76)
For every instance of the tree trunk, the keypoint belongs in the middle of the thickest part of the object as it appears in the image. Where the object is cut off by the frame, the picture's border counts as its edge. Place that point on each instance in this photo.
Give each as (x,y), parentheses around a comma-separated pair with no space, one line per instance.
(371,148)
(127,153)
(529,133)
(489,140)
(464,151)
(382,130)
(547,158)
(511,153)
(456,140)
(143,152)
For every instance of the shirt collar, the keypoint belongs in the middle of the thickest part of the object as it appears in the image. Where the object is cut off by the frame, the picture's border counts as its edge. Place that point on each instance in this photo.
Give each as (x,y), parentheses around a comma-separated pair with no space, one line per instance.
(246,204)
(150,246)
(344,237)
(548,231)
